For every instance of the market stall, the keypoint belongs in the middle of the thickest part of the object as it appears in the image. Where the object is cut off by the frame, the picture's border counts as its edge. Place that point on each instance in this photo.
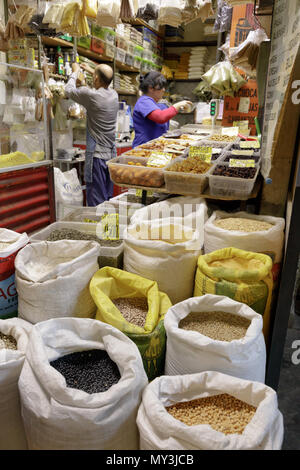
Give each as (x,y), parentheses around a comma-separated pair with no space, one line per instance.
(156,319)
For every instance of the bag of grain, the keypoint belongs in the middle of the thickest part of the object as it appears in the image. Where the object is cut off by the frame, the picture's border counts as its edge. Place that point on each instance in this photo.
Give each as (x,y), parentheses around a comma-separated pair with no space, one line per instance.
(166,252)
(10,244)
(209,411)
(250,232)
(214,332)
(81,386)
(13,342)
(135,306)
(189,211)
(52,279)
(68,191)
(242,275)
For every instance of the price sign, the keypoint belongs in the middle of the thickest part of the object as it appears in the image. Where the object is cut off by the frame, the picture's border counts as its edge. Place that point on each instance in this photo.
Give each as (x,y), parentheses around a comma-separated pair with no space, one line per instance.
(139,193)
(246,144)
(203,153)
(241,163)
(110,227)
(243,152)
(159,159)
(232,131)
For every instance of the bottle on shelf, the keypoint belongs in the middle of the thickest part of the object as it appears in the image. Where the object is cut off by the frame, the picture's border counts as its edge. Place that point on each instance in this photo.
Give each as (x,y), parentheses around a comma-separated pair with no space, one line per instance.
(59,62)
(67,64)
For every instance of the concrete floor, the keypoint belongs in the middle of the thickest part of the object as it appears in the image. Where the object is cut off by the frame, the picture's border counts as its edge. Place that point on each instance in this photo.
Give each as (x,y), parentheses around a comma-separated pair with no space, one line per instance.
(289,388)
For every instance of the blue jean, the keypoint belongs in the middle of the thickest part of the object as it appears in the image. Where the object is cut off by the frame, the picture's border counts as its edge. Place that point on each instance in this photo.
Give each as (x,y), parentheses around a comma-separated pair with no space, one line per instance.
(101,189)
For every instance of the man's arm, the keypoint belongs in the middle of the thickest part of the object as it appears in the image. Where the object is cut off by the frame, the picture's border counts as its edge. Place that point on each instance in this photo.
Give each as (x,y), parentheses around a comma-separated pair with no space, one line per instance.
(79,95)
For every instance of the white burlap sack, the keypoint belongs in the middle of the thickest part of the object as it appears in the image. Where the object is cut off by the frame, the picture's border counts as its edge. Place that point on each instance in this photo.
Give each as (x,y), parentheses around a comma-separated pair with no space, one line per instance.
(190,352)
(12,433)
(52,279)
(57,417)
(160,431)
(171,265)
(190,211)
(269,242)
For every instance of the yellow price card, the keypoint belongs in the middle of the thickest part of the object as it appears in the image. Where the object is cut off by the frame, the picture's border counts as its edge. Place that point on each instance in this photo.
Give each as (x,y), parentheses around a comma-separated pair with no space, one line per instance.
(236,163)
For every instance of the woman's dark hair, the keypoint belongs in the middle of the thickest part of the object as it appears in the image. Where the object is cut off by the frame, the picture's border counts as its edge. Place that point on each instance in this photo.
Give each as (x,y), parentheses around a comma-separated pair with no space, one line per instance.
(153,79)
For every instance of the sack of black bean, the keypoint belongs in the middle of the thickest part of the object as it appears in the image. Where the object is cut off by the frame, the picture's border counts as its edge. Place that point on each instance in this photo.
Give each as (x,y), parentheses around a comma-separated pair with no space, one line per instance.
(135,306)
(52,279)
(214,332)
(13,343)
(209,411)
(81,386)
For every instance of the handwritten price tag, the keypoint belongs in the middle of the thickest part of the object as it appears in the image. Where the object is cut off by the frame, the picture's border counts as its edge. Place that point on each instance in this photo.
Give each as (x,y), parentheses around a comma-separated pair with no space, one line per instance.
(203,153)
(246,144)
(159,159)
(241,163)
(248,153)
(110,226)
(232,131)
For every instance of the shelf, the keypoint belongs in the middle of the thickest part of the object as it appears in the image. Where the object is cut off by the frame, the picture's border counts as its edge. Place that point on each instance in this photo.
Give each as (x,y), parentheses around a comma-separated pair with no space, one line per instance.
(126,68)
(140,22)
(190,44)
(26,165)
(55,42)
(127,93)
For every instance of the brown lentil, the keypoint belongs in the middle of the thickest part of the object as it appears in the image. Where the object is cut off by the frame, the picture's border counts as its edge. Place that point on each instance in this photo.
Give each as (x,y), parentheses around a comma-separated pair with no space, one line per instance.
(222,138)
(72,234)
(242,224)
(221,326)
(7,342)
(134,309)
(222,412)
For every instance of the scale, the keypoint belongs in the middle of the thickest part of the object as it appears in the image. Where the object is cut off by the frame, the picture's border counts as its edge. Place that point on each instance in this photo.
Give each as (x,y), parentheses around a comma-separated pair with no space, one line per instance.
(214,106)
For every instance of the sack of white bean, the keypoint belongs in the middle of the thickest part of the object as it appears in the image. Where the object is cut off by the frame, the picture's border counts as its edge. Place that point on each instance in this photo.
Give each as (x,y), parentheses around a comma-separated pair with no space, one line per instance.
(216,333)
(81,386)
(209,411)
(13,342)
(10,244)
(166,252)
(135,306)
(250,232)
(242,275)
(52,279)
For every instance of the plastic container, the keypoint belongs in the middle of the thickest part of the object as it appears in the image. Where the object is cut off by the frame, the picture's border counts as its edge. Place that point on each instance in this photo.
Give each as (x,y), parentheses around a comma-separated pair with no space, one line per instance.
(185,183)
(120,55)
(107,34)
(226,156)
(129,59)
(123,173)
(231,186)
(137,62)
(109,255)
(138,51)
(85,42)
(110,50)
(98,45)
(93,215)
(121,43)
(131,47)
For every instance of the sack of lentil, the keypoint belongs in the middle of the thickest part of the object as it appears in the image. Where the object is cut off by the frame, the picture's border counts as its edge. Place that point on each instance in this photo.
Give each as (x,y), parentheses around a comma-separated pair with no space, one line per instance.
(52,279)
(250,232)
(10,244)
(135,306)
(81,386)
(13,342)
(229,414)
(190,211)
(166,252)
(214,332)
(242,275)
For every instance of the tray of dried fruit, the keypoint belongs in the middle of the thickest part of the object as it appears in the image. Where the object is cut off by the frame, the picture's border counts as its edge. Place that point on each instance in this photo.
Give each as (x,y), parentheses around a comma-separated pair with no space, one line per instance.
(187,175)
(134,171)
(232,181)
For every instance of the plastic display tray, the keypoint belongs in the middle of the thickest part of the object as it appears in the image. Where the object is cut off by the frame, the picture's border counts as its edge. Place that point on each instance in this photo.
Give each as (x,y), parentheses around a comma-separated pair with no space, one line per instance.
(189,183)
(231,186)
(109,255)
(226,156)
(93,215)
(122,173)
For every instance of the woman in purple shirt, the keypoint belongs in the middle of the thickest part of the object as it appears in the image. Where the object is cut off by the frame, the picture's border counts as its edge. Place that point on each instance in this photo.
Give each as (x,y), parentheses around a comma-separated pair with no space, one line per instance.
(150,117)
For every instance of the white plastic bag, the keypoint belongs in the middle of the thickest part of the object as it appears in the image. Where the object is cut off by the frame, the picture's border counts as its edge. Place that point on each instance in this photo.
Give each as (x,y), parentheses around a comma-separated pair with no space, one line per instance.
(12,433)
(57,417)
(108,13)
(10,243)
(269,242)
(52,279)
(190,352)
(169,260)
(160,431)
(68,189)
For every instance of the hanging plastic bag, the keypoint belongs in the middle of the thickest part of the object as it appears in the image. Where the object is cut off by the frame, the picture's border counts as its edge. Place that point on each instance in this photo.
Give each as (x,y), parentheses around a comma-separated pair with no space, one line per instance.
(111,283)
(148,10)
(223,19)
(90,8)
(223,79)
(170,13)
(108,13)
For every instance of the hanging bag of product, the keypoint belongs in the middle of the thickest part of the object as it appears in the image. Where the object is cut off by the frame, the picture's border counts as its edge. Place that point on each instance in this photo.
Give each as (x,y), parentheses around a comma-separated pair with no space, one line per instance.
(135,306)
(209,411)
(13,342)
(214,332)
(250,232)
(242,275)
(68,190)
(81,387)
(52,279)
(166,252)
(10,244)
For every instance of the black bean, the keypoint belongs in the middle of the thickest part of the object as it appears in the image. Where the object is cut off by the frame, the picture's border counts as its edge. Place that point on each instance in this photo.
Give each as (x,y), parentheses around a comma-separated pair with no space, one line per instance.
(92,371)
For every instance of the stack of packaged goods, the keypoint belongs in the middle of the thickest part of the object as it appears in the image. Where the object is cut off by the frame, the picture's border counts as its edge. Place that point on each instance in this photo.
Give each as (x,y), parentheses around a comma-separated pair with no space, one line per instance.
(124,82)
(197,62)
(183,67)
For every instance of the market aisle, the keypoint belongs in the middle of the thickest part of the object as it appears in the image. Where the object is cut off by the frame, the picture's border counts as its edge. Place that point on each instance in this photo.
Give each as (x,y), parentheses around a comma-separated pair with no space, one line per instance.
(289,389)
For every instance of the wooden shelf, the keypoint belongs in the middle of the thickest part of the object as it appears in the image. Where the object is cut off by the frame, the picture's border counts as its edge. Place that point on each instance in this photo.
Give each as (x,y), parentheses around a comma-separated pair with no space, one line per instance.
(55,42)
(140,22)
(190,44)
(126,68)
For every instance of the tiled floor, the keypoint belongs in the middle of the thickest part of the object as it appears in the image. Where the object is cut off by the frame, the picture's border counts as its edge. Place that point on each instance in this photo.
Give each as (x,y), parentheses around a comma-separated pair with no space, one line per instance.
(289,388)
